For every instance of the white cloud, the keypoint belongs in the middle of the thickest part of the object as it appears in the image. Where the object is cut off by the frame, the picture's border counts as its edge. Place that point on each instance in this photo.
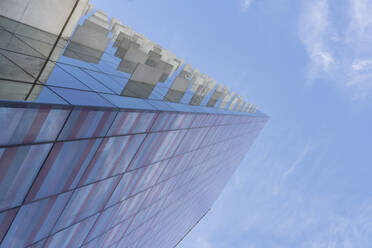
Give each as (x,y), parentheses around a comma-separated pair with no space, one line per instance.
(361,18)
(245,4)
(339,50)
(298,214)
(300,158)
(313,26)
(202,242)
(360,65)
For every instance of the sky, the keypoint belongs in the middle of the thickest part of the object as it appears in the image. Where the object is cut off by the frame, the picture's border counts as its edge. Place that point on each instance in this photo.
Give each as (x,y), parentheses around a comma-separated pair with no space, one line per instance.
(306,182)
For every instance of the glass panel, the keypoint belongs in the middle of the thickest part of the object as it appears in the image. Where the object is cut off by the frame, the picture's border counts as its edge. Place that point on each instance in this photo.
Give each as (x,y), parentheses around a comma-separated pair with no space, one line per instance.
(9,41)
(132,122)
(193,139)
(164,121)
(106,220)
(176,165)
(28,125)
(59,77)
(43,94)
(86,79)
(157,146)
(29,64)
(98,242)
(126,187)
(69,159)
(150,176)
(110,67)
(115,234)
(112,158)
(84,98)
(128,102)
(72,236)
(6,219)
(75,62)
(38,48)
(86,201)
(161,105)
(86,123)
(26,30)
(39,244)
(133,205)
(34,221)
(18,168)
(10,70)
(115,84)
(11,90)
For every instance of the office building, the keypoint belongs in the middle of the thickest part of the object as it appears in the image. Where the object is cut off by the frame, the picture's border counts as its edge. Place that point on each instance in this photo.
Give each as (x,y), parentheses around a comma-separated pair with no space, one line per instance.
(107,139)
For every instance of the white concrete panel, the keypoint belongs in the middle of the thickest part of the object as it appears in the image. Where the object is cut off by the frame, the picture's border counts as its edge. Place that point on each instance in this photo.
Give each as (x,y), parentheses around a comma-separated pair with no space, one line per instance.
(245,106)
(217,94)
(239,104)
(146,74)
(81,9)
(100,18)
(117,29)
(179,63)
(234,102)
(13,9)
(226,99)
(205,88)
(135,55)
(91,35)
(89,7)
(180,84)
(198,80)
(182,81)
(48,15)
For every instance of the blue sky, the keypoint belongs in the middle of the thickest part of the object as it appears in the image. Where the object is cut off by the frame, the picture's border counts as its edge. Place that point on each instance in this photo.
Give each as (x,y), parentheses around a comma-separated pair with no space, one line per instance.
(308,64)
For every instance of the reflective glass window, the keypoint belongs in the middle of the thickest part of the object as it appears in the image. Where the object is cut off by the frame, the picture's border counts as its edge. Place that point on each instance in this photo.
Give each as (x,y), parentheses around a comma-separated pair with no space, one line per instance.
(112,158)
(12,90)
(132,122)
(126,186)
(6,219)
(39,244)
(16,43)
(192,140)
(128,102)
(113,83)
(69,159)
(150,176)
(86,201)
(86,123)
(83,98)
(106,220)
(14,71)
(164,121)
(34,221)
(18,168)
(157,146)
(86,78)
(28,125)
(59,77)
(72,236)
(43,94)
(115,233)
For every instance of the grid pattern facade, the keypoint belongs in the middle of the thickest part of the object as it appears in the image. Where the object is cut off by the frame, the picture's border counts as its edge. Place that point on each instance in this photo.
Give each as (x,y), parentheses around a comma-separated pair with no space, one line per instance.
(84,165)
(37,66)
(85,177)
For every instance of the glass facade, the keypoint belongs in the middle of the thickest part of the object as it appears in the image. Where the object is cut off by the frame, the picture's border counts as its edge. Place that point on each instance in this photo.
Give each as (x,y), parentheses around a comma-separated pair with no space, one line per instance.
(84,165)
(119,185)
